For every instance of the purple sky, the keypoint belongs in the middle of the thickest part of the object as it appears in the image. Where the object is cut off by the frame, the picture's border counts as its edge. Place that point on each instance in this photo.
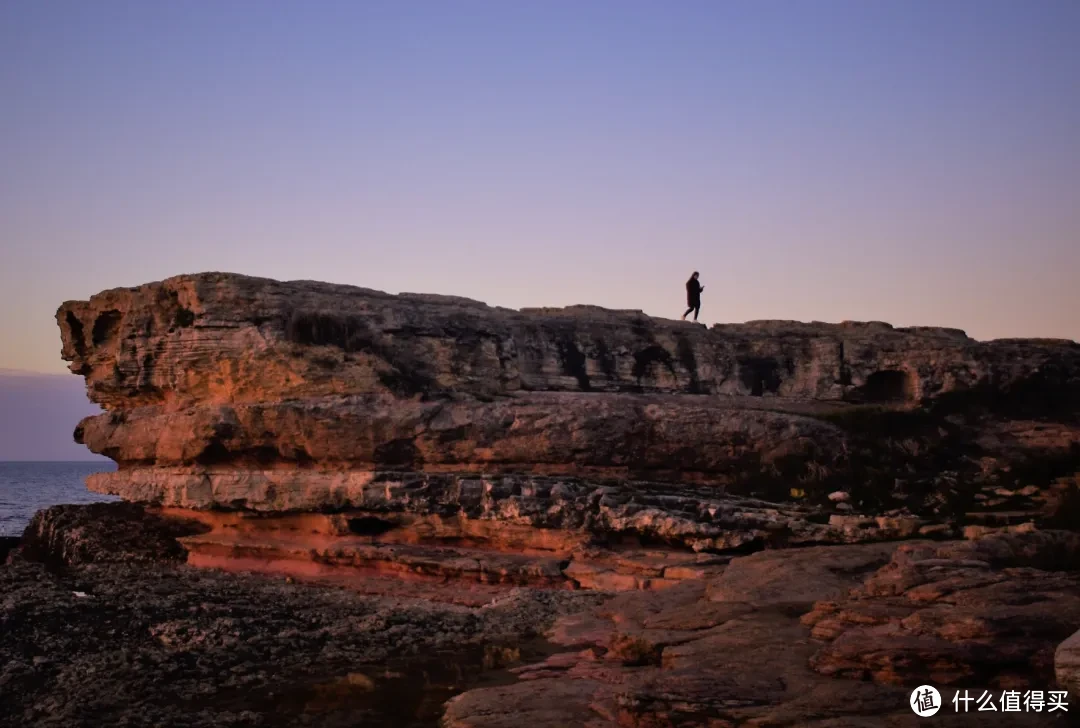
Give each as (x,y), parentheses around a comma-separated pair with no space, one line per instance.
(915,161)
(38,414)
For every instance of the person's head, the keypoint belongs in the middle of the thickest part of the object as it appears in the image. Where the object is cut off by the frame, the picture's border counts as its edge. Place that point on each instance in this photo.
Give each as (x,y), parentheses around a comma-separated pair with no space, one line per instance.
(695,275)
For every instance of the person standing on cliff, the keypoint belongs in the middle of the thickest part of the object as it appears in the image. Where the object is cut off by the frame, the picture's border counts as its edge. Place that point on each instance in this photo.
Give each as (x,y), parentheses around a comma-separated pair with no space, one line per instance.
(693,296)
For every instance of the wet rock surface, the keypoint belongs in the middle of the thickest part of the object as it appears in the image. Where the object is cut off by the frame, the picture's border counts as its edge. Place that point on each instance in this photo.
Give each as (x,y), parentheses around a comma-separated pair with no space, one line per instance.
(826,636)
(160,644)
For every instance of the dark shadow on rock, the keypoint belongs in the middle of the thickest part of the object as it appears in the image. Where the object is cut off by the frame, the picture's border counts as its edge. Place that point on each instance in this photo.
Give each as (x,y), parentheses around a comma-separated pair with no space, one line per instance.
(7,545)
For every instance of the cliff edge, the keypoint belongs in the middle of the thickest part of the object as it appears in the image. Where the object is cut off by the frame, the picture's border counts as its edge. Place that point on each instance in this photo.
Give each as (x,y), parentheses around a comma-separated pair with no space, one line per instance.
(249,395)
(789,522)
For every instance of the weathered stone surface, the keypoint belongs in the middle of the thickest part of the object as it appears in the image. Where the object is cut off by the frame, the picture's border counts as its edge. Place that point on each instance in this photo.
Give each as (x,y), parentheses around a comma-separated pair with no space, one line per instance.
(986,612)
(797,579)
(104,532)
(161,644)
(679,657)
(597,434)
(232,392)
(230,339)
(696,518)
(714,513)
(1067,664)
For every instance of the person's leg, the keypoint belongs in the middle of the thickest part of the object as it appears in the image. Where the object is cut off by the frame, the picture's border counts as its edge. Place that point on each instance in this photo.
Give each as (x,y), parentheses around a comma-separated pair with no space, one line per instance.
(687,312)
(697,308)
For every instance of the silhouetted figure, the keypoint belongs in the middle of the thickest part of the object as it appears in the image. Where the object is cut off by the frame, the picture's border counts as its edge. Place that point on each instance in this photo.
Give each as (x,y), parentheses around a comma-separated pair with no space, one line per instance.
(693,296)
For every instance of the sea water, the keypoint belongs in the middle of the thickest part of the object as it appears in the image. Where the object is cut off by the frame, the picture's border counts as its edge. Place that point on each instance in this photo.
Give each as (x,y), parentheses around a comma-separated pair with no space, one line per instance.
(27,487)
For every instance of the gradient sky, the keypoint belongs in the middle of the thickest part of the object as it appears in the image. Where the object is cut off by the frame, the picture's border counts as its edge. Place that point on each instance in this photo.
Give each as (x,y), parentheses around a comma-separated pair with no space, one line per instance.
(38,414)
(915,161)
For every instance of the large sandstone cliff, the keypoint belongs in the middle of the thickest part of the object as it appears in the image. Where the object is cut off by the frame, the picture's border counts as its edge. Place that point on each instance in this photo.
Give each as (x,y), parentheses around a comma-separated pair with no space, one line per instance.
(229,339)
(232,392)
(744,486)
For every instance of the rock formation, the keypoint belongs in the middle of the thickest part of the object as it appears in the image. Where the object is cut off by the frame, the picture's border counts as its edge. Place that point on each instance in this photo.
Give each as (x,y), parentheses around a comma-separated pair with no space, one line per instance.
(231,340)
(247,394)
(744,486)
(729,649)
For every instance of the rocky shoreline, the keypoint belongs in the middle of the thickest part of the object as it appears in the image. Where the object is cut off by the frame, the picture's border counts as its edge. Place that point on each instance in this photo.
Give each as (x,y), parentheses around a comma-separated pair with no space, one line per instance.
(347,507)
(93,636)
(104,631)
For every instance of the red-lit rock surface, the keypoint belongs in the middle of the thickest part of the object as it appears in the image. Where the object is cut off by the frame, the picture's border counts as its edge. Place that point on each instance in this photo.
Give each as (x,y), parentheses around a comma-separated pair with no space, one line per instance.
(738,497)
(729,649)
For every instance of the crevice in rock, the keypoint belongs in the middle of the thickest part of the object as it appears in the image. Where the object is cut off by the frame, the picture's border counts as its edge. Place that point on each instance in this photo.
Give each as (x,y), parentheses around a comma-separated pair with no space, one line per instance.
(215,453)
(689,363)
(105,326)
(886,386)
(647,359)
(573,362)
(844,376)
(184,317)
(78,338)
(370,526)
(401,452)
(606,360)
(317,328)
(759,375)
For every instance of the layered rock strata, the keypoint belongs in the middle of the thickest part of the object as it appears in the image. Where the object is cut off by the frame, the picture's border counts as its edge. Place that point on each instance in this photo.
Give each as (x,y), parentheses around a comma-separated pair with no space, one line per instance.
(219,338)
(743,487)
(229,393)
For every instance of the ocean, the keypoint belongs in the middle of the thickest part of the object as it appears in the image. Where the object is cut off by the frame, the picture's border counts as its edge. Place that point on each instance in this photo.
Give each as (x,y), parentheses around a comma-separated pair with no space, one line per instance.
(26,488)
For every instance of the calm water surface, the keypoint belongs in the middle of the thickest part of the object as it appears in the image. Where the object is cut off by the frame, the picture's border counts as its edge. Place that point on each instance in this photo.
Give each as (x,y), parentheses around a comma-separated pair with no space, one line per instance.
(26,488)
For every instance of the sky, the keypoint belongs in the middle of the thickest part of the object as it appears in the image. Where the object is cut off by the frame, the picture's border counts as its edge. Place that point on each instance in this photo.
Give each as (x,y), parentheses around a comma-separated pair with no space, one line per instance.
(912,161)
(38,415)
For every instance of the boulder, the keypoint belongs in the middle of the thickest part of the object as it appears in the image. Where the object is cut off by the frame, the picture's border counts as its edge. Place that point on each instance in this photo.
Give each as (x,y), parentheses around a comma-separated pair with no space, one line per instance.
(104,533)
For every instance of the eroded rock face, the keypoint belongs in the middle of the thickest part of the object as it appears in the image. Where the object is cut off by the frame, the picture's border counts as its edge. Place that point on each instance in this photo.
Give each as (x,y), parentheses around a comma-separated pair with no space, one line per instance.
(546,432)
(769,514)
(991,611)
(142,644)
(730,649)
(104,533)
(242,393)
(220,338)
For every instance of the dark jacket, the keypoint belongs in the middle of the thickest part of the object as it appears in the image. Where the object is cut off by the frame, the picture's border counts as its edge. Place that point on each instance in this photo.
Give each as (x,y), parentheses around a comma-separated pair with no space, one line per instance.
(693,292)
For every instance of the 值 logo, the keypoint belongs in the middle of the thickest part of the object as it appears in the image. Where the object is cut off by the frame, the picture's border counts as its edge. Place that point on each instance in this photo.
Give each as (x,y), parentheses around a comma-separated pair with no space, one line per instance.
(925,701)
